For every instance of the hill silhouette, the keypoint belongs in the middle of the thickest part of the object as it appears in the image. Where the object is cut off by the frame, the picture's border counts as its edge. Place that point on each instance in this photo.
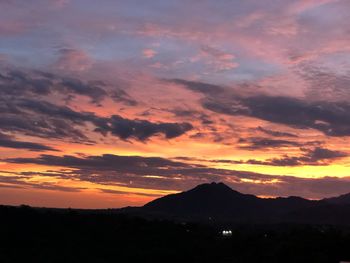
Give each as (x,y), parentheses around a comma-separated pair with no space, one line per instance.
(342,199)
(203,200)
(217,202)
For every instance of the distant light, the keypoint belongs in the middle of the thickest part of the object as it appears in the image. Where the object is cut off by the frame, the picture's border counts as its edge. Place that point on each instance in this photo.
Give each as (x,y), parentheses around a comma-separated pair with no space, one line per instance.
(226,233)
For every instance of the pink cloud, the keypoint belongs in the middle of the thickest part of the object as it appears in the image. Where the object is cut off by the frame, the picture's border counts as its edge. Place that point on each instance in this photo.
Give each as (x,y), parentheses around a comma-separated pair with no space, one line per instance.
(216,58)
(303,5)
(149,53)
(73,60)
(60,3)
(11,28)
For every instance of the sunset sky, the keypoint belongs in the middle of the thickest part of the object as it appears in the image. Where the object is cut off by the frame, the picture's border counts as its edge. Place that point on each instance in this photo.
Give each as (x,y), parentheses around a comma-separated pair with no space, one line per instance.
(115,103)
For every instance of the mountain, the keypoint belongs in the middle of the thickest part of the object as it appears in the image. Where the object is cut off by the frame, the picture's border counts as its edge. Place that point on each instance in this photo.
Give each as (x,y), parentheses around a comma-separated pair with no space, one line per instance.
(218,203)
(340,200)
(205,200)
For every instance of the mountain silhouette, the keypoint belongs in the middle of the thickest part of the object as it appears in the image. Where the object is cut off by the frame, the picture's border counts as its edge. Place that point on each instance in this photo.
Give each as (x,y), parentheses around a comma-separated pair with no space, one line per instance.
(342,199)
(205,200)
(217,202)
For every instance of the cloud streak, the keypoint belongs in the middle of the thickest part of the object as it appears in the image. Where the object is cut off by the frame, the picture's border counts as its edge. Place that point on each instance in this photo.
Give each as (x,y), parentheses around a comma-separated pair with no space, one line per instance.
(161,173)
(316,156)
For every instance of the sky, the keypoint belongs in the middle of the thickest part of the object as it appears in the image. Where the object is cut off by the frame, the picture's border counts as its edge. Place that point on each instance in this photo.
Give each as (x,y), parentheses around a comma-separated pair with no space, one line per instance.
(115,103)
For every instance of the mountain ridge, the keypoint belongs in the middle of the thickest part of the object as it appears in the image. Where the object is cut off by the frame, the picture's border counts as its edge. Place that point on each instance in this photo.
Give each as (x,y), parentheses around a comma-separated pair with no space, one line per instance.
(220,203)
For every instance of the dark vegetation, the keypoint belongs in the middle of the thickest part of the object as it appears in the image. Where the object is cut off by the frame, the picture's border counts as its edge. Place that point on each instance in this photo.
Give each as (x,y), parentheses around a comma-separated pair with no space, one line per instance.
(53,235)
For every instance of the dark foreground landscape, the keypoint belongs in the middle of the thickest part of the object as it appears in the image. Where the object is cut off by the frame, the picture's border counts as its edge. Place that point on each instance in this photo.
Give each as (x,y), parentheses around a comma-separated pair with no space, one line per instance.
(154,233)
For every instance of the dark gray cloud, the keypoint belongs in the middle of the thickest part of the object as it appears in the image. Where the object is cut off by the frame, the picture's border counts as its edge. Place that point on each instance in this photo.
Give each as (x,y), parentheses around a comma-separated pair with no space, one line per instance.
(26,110)
(143,129)
(91,89)
(20,182)
(34,119)
(44,119)
(161,173)
(276,133)
(205,88)
(53,110)
(9,142)
(257,143)
(109,191)
(329,117)
(188,114)
(107,162)
(316,156)
(18,83)
(23,83)
(116,125)
(120,95)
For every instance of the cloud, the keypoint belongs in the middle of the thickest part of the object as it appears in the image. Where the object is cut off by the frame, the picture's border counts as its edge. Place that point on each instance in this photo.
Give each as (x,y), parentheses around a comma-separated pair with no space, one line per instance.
(303,5)
(120,95)
(161,173)
(205,88)
(90,89)
(116,192)
(20,83)
(73,60)
(133,171)
(148,53)
(8,142)
(257,143)
(42,119)
(329,117)
(142,129)
(11,28)
(314,188)
(60,3)
(26,107)
(116,125)
(276,133)
(21,182)
(47,108)
(216,58)
(106,162)
(53,121)
(332,80)
(316,156)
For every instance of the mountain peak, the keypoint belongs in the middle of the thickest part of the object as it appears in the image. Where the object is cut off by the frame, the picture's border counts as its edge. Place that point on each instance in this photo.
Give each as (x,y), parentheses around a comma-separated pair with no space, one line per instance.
(213,185)
(218,188)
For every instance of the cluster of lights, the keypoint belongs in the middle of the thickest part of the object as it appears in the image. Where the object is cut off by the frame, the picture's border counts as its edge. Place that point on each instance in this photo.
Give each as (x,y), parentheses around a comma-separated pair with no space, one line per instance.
(227,233)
